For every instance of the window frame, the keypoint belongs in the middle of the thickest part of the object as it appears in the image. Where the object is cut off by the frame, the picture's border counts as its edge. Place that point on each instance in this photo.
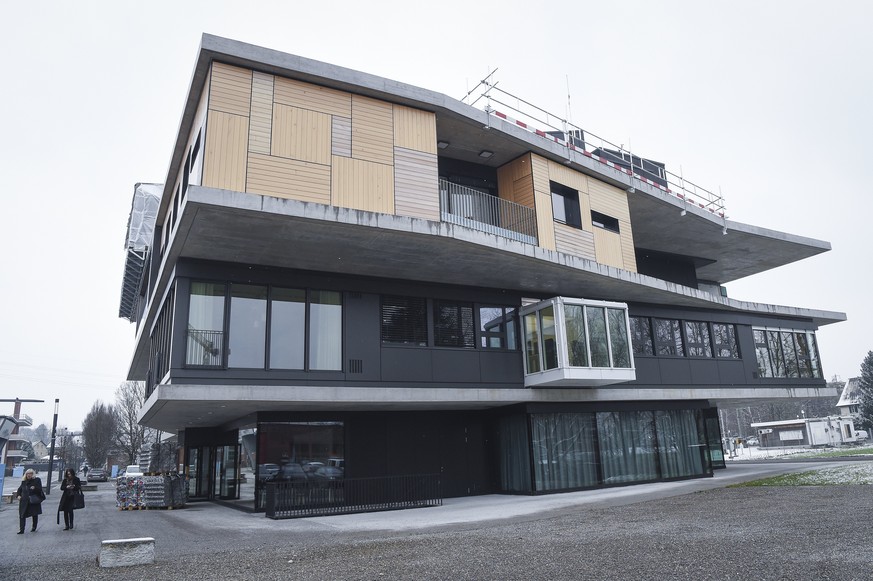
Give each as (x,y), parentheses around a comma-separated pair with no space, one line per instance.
(571,206)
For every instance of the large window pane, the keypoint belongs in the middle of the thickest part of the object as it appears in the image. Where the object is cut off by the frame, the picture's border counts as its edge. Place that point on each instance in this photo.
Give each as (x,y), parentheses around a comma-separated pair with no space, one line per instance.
(813,355)
(563,449)
(550,339)
(453,324)
(404,320)
(618,338)
(774,345)
(762,354)
(531,343)
(697,342)
(497,327)
(248,326)
(205,344)
(725,337)
(789,353)
(641,333)
(597,340)
(287,328)
(627,446)
(680,443)
(577,346)
(668,339)
(325,330)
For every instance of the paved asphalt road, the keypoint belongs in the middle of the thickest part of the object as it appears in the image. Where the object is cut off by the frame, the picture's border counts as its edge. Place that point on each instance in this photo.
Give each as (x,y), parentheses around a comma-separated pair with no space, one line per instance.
(685,530)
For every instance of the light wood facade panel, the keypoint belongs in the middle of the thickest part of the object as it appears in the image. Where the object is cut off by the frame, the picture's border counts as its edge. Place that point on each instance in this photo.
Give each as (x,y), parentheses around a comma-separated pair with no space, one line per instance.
(288,178)
(540,172)
(607,247)
(261,118)
(301,134)
(225,151)
(312,97)
(341,136)
(574,241)
(545,221)
(414,129)
(230,89)
(362,185)
(627,246)
(608,200)
(372,130)
(515,182)
(416,184)
(568,177)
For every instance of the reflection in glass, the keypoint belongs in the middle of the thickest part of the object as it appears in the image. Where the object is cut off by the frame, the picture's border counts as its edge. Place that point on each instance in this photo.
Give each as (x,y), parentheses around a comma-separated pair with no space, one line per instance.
(577,348)
(725,337)
(531,343)
(248,326)
(205,342)
(618,338)
(287,328)
(627,446)
(641,331)
(698,343)
(596,318)
(325,330)
(550,339)
(563,448)
(680,443)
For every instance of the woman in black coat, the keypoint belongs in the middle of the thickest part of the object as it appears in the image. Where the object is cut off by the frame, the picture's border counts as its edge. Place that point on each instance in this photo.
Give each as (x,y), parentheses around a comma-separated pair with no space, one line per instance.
(71,485)
(31,486)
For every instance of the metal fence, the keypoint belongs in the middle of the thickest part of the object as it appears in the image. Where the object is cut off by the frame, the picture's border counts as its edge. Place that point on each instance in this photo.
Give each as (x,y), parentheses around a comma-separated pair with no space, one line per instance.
(480,211)
(295,499)
(204,348)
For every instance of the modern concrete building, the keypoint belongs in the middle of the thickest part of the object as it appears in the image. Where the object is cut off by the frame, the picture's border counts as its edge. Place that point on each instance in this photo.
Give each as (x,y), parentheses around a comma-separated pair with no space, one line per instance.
(344,271)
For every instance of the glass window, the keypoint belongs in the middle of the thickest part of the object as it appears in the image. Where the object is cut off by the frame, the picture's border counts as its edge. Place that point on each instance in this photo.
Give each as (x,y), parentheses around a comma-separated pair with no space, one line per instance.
(453,324)
(618,338)
(325,330)
(697,341)
(774,345)
(641,334)
(762,353)
(577,347)
(627,446)
(531,343)
(813,355)
(563,449)
(550,338)
(205,342)
(680,443)
(668,338)
(565,205)
(597,339)
(404,320)
(287,328)
(725,338)
(789,353)
(497,327)
(248,326)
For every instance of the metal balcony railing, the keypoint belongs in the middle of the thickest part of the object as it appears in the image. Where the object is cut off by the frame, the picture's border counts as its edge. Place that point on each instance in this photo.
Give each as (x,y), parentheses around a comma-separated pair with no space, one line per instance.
(302,499)
(474,209)
(204,348)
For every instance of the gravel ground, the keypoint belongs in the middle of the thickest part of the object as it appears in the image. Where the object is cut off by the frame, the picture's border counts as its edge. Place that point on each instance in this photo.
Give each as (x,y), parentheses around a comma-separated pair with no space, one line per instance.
(779,533)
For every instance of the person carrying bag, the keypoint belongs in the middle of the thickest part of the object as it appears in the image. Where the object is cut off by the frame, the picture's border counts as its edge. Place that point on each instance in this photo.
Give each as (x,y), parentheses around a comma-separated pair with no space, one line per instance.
(30,496)
(71,497)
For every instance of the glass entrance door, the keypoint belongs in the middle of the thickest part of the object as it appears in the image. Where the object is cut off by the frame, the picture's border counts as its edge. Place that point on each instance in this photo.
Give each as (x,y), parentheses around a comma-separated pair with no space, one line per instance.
(225,484)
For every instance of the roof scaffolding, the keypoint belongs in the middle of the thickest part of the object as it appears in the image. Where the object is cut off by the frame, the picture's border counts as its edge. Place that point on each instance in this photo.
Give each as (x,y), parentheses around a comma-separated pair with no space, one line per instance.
(140,232)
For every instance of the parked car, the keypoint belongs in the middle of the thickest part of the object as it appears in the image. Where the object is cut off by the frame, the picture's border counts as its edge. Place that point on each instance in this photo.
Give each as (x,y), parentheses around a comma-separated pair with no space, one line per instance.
(311,467)
(327,476)
(97,475)
(293,473)
(267,472)
(133,470)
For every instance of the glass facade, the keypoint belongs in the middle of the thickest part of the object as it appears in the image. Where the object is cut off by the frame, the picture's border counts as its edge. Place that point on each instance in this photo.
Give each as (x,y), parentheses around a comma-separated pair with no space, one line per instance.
(205,337)
(287,328)
(248,326)
(786,353)
(325,330)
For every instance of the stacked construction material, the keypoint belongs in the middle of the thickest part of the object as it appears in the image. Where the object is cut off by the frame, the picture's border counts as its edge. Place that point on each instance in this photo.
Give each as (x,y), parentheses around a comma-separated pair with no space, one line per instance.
(129,492)
(175,491)
(153,492)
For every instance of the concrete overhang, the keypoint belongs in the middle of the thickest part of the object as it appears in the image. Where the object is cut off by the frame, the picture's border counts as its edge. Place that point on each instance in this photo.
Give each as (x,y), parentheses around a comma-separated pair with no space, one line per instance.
(175,407)
(655,214)
(250,229)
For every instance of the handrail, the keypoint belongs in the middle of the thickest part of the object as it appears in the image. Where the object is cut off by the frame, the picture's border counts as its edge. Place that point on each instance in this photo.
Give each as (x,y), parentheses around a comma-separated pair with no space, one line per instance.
(578,141)
(480,211)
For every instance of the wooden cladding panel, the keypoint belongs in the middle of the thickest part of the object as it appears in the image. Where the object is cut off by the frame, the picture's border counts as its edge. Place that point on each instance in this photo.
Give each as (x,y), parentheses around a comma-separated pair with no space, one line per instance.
(230,89)
(523,192)
(341,136)
(540,172)
(261,120)
(362,185)
(301,134)
(545,222)
(608,200)
(224,155)
(568,177)
(414,129)
(574,241)
(372,130)
(515,183)
(288,178)
(627,246)
(607,248)
(308,96)
(416,190)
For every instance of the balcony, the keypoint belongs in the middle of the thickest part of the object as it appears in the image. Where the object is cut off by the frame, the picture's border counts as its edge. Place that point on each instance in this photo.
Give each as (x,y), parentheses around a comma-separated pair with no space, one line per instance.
(474,209)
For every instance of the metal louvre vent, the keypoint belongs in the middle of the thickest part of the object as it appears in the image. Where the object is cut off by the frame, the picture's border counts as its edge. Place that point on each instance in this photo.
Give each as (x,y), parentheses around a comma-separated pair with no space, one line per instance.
(356,365)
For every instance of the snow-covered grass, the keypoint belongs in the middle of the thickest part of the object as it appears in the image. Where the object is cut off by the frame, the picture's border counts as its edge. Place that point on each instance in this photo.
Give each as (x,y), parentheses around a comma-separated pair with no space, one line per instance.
(757,453)
(861,473)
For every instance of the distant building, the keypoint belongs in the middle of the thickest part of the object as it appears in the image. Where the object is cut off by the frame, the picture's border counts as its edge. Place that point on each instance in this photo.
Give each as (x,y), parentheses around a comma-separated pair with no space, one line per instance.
(850,398)
(345,274)
(808,432)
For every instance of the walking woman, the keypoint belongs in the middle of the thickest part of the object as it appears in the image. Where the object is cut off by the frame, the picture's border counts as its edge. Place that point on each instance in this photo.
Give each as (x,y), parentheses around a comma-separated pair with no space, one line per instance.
(71,485)
(30,497)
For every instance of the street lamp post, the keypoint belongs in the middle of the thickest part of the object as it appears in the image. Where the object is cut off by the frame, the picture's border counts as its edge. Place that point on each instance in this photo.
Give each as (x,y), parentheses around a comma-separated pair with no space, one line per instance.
(48,486)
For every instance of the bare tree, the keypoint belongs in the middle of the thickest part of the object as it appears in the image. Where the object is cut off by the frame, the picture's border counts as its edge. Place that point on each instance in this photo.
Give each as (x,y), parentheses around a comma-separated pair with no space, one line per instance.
(98,433)
(130,436)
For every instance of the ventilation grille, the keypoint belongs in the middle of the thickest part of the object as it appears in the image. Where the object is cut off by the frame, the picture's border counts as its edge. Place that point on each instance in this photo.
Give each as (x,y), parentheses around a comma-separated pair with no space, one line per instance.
(356,365)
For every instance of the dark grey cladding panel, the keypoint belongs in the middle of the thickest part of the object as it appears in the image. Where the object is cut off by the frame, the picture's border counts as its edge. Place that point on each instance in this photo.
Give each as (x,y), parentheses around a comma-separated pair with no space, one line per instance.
(732,372)
(675,371)
(407,364)
(648,371)
(704,371)
(456,366)
(362,337)
(504,367)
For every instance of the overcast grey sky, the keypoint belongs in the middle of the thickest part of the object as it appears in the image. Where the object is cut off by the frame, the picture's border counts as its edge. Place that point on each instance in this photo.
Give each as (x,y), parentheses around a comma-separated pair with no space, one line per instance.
(768,101)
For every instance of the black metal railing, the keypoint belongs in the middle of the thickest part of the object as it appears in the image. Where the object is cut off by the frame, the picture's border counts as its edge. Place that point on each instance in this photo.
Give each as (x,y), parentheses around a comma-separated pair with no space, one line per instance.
(296,499)
(204,348)
(477,210)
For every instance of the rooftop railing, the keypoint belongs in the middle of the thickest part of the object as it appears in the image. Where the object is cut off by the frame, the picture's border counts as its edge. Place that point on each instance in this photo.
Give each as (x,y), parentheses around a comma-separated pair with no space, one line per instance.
(581,143)
(480,211)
